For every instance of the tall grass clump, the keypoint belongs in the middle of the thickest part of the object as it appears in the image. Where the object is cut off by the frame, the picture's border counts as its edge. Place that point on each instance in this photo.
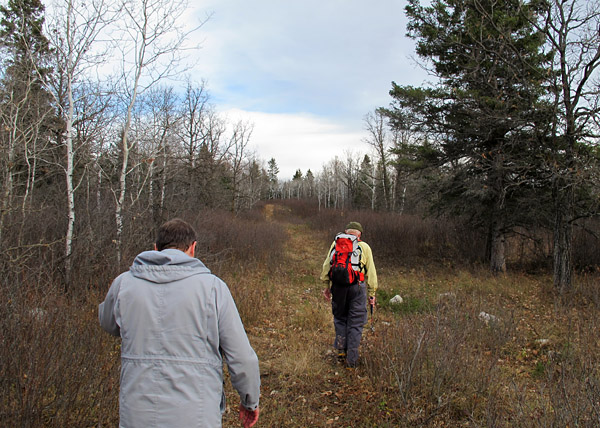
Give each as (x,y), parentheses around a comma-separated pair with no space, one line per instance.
(225,240)
(441,365)
(568,391)
(58,368)
(237,249)
(297,210)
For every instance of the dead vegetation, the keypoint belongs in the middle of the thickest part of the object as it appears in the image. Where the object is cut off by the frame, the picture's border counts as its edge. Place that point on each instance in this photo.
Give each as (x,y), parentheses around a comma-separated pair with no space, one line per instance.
(432,361)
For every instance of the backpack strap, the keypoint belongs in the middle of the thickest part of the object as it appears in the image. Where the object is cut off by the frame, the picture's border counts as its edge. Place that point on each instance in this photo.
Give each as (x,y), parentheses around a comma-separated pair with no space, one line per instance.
(361,266)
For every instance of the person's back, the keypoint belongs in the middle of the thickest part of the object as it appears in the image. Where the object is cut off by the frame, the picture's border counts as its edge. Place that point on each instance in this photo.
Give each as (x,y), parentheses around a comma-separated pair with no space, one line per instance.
(348,300)
(174,318)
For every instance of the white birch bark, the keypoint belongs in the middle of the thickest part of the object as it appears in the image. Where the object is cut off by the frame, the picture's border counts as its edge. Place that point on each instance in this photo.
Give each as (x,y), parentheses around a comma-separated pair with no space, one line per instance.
(74,31)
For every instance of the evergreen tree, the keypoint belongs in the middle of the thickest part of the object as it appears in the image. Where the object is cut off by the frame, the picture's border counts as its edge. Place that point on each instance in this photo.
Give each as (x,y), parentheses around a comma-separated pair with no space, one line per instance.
(272,171)
(365,189)
(22,37)
(297,183)
(480,116)
(310,184)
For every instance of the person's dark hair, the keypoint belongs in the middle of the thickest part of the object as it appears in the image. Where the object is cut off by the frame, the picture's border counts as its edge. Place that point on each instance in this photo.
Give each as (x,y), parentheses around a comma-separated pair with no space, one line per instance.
(176,234)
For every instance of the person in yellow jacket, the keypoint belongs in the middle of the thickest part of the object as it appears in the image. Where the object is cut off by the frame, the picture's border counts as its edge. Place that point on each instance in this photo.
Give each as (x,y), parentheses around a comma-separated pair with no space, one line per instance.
(349,302)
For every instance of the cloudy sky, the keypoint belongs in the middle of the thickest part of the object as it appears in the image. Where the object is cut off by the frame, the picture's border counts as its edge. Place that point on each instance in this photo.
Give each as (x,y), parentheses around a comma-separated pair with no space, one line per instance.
(304,72)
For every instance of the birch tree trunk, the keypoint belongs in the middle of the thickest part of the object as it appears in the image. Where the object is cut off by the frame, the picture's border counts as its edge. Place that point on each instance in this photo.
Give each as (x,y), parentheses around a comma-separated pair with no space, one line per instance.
(70,186)
(74,32)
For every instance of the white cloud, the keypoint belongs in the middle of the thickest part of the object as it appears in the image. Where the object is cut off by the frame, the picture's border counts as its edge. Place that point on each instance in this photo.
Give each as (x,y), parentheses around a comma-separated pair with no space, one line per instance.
(317,56)
(299,141)
(306,73)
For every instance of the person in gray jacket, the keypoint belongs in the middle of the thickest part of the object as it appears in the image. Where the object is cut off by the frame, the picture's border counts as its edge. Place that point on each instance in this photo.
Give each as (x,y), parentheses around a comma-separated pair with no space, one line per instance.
(177,322)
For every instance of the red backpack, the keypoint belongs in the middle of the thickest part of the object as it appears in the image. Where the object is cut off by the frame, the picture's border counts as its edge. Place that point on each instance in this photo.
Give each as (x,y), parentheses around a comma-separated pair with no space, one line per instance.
(345,260)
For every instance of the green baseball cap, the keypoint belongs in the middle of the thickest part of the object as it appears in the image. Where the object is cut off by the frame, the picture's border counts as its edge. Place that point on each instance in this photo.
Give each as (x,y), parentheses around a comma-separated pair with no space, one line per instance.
(354,225)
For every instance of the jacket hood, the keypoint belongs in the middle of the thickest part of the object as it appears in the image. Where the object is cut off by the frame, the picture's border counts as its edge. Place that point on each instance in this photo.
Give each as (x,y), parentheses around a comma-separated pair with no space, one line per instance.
(166,266)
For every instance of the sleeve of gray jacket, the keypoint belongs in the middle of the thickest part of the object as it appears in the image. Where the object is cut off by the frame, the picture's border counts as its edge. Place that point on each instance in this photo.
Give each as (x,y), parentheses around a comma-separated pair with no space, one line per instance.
(239,355)
(106,310)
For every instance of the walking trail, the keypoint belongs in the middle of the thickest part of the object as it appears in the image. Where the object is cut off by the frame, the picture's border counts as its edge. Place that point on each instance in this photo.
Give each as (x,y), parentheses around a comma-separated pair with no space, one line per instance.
(302,383)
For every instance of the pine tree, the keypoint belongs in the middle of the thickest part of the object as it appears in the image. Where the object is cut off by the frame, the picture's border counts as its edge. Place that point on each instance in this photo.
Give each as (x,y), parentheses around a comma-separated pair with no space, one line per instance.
(481,116)
(272,171)
(28,120)
(22,38)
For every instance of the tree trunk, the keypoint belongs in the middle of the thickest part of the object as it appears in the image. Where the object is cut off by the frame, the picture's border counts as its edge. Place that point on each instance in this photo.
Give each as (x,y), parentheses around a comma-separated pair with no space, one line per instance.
(7,191)
(373,188)
(497,249)
(563,231)
(498,233)
(163,186)
(70,187)
(403,199)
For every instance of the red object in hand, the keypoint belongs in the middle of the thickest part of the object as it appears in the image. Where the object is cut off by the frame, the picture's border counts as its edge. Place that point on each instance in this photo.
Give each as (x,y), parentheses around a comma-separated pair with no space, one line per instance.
(327,294)
(248,417)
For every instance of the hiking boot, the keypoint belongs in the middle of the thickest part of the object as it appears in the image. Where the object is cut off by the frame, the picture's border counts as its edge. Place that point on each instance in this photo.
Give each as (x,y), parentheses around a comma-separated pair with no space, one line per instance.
(351,366)
(341,356)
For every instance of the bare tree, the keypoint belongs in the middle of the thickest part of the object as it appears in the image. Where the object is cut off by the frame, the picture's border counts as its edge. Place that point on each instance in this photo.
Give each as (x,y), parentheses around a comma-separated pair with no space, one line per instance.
(163,119)
(572,30)
(209,162)
(193,125)
(333,183)
(379,139)
(26,109)
(151,49)
(22,120)
(242,131)
(255,182)
(74,31)
(350,175)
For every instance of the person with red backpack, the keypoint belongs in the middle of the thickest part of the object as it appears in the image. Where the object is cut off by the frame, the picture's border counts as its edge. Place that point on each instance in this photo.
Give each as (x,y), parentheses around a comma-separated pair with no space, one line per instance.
(350,274)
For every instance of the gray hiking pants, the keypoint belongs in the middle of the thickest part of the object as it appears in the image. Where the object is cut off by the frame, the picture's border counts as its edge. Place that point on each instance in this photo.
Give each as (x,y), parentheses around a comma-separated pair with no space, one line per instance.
(349,307)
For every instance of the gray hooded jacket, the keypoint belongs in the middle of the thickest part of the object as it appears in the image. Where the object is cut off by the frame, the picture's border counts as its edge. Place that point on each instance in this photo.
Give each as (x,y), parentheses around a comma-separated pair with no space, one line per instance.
(177,322)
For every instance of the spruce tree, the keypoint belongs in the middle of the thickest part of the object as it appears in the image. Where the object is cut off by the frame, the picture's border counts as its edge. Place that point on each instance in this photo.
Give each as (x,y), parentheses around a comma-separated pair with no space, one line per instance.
(25,46)
(481,117)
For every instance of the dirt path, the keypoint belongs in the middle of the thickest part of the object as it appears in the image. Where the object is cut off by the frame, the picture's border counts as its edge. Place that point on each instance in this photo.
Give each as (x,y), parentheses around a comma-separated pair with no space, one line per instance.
(302,384)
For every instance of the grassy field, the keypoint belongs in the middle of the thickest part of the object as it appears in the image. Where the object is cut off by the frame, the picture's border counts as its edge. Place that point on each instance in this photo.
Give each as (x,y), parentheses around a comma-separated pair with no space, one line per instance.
(434,360)
(464,349)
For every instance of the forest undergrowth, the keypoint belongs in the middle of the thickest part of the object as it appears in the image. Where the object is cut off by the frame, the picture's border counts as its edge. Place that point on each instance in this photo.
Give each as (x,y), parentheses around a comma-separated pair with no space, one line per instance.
(463,349)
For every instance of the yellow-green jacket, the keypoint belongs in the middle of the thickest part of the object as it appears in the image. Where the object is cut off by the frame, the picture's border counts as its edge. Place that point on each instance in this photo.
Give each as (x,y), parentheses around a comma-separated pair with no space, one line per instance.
(366,263)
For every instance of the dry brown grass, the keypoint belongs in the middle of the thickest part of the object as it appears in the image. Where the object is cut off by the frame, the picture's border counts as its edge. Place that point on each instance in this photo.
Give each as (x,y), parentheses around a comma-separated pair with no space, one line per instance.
(58,368)
(430,362)
(433,362)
